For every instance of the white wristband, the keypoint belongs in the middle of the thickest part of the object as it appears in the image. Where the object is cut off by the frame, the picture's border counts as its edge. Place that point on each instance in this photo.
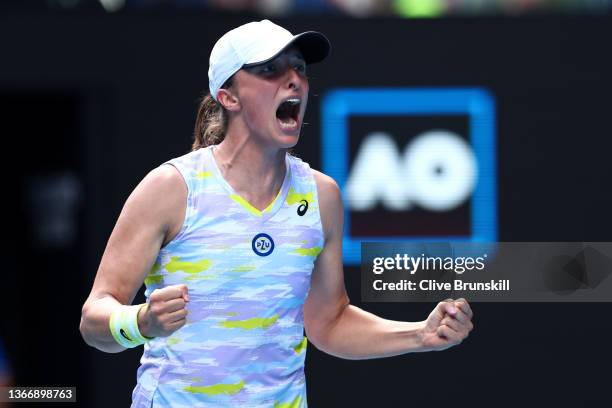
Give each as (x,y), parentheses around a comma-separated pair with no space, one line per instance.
(124,326)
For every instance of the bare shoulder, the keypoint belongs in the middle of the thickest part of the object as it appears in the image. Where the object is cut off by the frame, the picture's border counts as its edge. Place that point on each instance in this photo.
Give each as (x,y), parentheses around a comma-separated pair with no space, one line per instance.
(163,179)
(330,204)
(159,198)
(326,186)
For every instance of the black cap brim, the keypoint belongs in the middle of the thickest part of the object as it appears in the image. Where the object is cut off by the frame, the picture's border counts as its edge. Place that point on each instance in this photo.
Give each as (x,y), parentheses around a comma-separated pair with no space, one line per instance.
(313,45)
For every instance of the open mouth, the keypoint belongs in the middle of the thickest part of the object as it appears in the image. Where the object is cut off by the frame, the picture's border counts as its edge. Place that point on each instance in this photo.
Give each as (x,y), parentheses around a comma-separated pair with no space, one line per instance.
(288,114)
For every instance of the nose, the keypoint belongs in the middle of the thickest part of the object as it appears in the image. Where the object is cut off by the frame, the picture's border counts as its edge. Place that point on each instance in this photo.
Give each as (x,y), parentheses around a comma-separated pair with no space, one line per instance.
(294,80)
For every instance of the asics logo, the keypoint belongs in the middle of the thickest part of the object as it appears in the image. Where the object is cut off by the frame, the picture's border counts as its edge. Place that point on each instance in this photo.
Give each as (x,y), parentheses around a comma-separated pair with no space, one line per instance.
(301,210)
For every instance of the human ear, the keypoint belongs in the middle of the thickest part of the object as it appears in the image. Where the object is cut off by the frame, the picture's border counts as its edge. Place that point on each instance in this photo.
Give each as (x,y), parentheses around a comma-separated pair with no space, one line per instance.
(228,99)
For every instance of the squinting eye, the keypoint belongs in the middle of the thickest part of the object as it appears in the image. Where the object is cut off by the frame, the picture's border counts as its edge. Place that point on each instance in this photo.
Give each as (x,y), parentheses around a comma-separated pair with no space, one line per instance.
(300,68)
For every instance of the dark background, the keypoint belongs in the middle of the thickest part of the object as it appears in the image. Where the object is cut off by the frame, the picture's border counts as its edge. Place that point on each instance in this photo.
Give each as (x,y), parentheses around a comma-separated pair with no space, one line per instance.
(106,98)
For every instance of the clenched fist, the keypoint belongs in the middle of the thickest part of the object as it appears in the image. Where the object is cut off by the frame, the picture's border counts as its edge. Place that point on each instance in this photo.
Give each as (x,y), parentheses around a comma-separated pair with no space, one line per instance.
(447,325)
(165,313)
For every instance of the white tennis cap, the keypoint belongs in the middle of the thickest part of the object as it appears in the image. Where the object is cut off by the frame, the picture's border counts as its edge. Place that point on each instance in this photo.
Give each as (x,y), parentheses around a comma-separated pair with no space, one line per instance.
(258,42)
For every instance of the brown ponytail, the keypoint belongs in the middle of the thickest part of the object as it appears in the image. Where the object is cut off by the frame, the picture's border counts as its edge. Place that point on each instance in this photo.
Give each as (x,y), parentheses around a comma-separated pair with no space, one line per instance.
(211,123)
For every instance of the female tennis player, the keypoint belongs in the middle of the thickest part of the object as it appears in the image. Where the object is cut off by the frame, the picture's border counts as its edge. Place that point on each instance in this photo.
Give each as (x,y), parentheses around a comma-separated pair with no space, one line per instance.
(239,245)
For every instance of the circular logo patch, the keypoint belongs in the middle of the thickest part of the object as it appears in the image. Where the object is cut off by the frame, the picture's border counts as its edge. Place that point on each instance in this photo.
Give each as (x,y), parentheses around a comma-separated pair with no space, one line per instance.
(262,244)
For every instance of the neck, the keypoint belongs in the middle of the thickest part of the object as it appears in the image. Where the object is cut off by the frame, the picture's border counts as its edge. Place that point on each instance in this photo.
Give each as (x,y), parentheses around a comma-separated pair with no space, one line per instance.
(255,171)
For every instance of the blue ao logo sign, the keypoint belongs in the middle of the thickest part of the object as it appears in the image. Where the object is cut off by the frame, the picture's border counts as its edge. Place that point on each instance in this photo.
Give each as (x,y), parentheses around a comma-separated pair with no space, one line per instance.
(262,244)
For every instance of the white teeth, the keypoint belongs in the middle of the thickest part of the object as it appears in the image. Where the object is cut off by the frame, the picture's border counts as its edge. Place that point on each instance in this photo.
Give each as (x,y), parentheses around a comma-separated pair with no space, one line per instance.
(294,101)
(290,124)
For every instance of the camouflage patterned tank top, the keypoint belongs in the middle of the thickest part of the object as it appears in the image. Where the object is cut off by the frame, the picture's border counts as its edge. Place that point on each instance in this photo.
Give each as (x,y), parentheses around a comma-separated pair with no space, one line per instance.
(248,273)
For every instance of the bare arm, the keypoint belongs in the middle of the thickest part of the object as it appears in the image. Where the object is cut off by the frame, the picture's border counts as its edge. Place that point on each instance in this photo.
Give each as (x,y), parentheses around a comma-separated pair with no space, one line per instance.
(344,330)
(151,217)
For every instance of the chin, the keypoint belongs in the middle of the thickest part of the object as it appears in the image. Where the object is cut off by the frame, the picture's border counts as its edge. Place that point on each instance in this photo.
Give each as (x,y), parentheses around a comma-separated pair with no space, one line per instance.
(287,141)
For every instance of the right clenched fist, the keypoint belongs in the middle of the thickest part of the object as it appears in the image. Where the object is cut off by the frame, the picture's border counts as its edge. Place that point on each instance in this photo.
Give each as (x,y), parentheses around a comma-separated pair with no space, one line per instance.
(165,313)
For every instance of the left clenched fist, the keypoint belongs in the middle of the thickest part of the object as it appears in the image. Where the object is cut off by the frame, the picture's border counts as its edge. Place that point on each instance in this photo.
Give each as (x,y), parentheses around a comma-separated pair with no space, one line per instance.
(447,325)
